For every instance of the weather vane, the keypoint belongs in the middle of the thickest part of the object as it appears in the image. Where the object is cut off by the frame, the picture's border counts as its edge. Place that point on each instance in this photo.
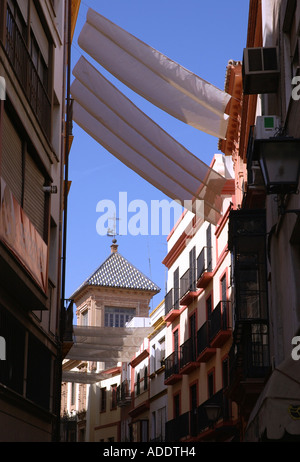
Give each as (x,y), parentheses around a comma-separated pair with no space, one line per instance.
(112,232)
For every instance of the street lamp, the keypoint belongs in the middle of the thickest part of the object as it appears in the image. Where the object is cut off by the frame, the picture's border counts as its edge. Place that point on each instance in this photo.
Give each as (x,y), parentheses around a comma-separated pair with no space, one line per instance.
(213,412)
(279,159)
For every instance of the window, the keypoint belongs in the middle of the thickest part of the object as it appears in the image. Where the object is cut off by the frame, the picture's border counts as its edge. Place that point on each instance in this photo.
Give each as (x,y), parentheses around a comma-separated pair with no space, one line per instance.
(176,288)
(138,385)
(208,246)
(39,359)
(162,351)
(13,368)
(153,425)
(114,396)
(223,288)
(73,393)
(193,333)
(259,345)
(38,61)
(28,50)
(193,408)
(176,347)
(211,384)
(161,422)
(22,174)
(103,399)
(225,373)
(146,378)
(84,318)
(117,317)
(192,269)
(208,307)
(153,359)
(176,404)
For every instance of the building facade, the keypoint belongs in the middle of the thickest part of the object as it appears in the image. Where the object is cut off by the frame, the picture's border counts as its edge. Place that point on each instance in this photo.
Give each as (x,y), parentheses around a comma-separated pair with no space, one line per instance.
(199,326)
(264,229)
(100,386)
(33,57)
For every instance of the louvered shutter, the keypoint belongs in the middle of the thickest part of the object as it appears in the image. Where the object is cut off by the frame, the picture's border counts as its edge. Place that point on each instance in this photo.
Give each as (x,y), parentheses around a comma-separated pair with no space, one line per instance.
(11,166)
(34,196)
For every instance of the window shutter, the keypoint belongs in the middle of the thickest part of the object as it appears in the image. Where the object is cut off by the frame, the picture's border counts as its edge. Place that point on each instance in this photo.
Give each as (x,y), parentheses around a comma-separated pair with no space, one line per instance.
(11,168)
(34,196)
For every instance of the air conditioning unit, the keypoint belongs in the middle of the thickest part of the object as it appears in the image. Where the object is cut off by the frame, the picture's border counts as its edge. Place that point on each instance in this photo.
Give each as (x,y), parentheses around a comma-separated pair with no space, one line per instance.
(260,70)
(267,126)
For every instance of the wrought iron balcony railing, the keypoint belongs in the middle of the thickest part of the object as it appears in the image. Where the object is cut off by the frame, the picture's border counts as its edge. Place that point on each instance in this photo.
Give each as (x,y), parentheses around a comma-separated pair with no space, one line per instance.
(172,365)
(220,328)
(124,393)
(188,352)
(188,288)
(27,74)
(195,421)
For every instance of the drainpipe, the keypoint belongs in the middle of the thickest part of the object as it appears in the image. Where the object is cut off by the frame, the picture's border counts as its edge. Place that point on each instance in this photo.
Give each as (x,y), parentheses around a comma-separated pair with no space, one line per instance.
(66,180)
(65,171)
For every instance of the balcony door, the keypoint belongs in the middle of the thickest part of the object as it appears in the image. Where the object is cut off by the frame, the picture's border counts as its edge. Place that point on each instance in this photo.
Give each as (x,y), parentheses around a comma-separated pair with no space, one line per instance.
(176,348)
(176,288)
(193,412)
(192,269)
(193,330)
(208,245)
(223,289)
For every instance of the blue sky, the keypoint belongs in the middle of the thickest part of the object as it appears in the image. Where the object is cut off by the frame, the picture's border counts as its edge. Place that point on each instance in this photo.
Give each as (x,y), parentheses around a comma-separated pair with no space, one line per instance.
(201,36)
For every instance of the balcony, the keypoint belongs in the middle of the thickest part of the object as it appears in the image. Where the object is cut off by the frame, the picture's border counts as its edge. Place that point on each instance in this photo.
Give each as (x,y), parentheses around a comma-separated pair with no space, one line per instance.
(171,306)
(224,427)
(249,364)
(204,268)
(204,350)
(25,71)
(188,356)
(172,365)
(249,355)
(194,425)
(178,428)
(188,290)
(220,330)
(124,394)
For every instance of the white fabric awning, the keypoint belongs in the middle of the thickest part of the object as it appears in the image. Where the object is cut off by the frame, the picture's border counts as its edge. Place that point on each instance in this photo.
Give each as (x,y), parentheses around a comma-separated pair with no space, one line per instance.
(131,136)
(83,377)
(107,344)
(154,76)
(277,410)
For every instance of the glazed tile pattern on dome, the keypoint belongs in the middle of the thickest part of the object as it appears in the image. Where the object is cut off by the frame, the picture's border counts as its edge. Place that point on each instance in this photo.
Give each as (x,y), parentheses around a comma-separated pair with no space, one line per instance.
(116,271)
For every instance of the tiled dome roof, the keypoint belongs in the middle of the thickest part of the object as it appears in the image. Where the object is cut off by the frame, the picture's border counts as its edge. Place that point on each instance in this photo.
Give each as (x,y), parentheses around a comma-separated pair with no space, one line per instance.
(117,272)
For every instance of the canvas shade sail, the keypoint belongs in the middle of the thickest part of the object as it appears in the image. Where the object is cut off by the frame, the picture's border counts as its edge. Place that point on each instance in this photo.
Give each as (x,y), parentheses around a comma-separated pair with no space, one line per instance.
(277,411)
(154,76)
(107,344)
(83,377)
(142,145)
